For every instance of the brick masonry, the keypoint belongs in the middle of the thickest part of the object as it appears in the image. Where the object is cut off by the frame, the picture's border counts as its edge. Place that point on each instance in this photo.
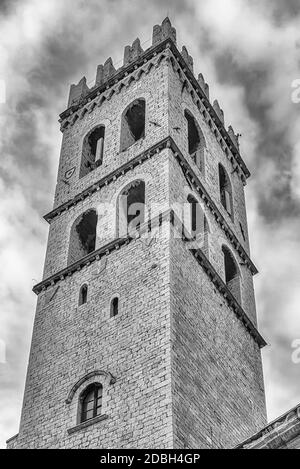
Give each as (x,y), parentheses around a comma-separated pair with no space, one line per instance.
(187,373)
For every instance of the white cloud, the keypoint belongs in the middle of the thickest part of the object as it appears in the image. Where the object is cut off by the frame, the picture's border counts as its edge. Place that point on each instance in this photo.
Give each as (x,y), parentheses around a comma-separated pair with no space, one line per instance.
(43,50)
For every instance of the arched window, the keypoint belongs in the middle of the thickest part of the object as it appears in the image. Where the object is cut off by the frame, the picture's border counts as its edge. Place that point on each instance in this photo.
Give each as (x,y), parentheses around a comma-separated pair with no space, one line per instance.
(225,190)
(198,224)
(91,402)
(232,274)
(131,208)
(83,236)
(196,141)
(114,307)
(92,150)
(83,295)
(133,123)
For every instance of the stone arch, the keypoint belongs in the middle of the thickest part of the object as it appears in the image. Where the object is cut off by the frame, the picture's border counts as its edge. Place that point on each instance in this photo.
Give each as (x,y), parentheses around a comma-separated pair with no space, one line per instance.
(225,188)
(133,123)
(92,150)
(195,141)
(97,373)
(131,213)
(83,294)
(232,274)
(197,223)
(83,235)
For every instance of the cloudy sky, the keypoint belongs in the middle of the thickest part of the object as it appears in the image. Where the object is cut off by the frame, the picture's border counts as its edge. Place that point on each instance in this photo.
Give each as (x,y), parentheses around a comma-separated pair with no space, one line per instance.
(248,51)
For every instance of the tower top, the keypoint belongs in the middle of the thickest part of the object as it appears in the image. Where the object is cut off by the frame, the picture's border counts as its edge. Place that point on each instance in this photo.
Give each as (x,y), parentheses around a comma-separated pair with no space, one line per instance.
(107,76)
(131,53)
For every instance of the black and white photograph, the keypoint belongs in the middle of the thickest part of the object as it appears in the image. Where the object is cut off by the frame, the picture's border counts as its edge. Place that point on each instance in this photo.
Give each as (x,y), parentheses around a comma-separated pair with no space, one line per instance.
(149,227)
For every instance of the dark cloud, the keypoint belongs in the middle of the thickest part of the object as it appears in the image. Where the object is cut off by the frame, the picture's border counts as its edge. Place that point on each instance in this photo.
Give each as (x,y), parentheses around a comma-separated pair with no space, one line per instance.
(77,37)
(8,6)
(273,143)
(283,10)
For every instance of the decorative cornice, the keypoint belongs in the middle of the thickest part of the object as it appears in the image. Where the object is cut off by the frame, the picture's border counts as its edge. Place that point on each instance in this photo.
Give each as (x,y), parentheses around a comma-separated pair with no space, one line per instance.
(211,205)
(277,433)
(167,142)
(171,217)
(210,109)
(233,303)
(105,91)
(109,178)
(122,73)
(96,255)
(107,94)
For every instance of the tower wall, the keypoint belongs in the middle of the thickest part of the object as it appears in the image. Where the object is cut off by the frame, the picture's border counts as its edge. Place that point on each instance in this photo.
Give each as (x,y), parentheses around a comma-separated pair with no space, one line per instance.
(152,85)
(179,190)
(155,174)
(217,382)
(181,98)
(71,341)
(177,365)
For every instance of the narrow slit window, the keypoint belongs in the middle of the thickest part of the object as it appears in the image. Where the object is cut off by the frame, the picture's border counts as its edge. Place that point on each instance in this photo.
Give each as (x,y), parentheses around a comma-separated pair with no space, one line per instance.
(83,295)
(114,307)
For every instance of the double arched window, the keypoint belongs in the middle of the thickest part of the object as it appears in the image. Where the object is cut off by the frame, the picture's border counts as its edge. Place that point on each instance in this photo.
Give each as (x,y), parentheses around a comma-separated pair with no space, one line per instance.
(196,141)
(90,402)
(133,123)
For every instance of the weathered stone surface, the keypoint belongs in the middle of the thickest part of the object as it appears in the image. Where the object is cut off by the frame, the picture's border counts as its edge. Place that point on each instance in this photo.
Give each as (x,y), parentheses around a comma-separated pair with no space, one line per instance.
(187,372)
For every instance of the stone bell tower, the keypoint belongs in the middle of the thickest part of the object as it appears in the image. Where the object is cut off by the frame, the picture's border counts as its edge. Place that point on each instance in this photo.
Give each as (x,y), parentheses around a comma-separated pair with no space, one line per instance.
(145,333)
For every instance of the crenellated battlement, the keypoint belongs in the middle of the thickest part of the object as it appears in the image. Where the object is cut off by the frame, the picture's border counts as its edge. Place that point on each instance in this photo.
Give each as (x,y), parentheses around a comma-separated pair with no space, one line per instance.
(131,53)
(135,55)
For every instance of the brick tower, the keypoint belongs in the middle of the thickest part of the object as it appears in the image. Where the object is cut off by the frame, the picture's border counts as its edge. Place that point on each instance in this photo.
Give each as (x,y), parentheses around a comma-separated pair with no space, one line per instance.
(145,333)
